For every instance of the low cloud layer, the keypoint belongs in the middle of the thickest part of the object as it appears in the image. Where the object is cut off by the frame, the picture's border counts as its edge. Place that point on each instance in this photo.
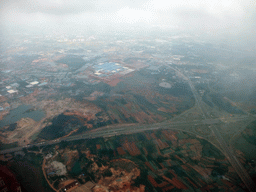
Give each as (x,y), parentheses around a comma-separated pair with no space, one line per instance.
(214,17)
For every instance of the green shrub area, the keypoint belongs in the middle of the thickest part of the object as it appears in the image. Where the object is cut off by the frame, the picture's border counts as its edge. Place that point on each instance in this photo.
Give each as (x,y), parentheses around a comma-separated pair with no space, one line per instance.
(8,146)
(28,170)
(211,151)
(61,126)
(250,133)
(72,61)
(218,100)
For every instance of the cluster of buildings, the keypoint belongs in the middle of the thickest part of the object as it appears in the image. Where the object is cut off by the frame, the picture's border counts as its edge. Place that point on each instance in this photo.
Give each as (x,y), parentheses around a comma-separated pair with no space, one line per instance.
(40,65)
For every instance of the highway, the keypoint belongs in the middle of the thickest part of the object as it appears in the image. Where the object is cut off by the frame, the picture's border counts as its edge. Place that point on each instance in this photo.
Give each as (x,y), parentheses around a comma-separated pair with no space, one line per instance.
(118,130)
(245,177)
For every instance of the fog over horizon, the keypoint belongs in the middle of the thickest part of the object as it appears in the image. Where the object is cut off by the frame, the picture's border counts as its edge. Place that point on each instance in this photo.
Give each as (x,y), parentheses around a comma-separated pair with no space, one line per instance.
(221,19)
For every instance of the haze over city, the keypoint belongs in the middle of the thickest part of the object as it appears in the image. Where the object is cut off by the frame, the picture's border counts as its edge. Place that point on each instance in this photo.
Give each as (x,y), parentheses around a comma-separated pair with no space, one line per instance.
(219,17)
(145,96)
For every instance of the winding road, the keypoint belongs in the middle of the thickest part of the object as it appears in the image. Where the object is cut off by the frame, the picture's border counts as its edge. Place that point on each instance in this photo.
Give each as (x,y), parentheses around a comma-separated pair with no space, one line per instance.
(117,130)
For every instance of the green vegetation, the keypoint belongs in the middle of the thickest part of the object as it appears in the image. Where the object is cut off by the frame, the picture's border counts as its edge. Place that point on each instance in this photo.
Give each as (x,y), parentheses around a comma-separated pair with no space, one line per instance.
(61,126)
(28,170)
(211,151)
(159,155)
(76,169)
(250,133)
(152,157)
(34,148)
(72,61)
(218,100)
(130,101)
(4,146)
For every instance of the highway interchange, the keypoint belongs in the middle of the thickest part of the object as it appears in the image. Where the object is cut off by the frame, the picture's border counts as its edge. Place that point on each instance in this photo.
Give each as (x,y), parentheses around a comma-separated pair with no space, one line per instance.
(212,124)
(228,152)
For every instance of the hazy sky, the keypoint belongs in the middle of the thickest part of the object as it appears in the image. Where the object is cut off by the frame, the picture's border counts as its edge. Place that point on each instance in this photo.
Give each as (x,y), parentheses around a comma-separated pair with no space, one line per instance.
(207,16)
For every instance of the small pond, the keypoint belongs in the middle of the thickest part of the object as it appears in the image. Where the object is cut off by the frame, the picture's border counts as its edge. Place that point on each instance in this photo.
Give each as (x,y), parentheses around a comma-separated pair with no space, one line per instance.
(20,112)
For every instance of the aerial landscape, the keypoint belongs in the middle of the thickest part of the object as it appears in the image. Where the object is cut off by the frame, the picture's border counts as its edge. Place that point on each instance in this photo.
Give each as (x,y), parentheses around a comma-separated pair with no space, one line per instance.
(106,105)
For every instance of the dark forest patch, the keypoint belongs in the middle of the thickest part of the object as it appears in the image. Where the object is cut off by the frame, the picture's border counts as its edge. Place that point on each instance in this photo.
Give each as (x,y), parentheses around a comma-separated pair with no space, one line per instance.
(250,133)
(73,61)
(61,126)
(218,100)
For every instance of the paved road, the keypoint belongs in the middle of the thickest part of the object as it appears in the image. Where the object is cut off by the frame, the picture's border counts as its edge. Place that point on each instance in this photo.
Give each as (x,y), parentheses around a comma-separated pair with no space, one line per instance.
(117,130)
(245,177)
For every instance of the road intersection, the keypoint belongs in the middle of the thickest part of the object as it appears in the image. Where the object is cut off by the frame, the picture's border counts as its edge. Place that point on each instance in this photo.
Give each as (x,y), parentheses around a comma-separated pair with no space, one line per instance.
(226,149)
(210,126)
